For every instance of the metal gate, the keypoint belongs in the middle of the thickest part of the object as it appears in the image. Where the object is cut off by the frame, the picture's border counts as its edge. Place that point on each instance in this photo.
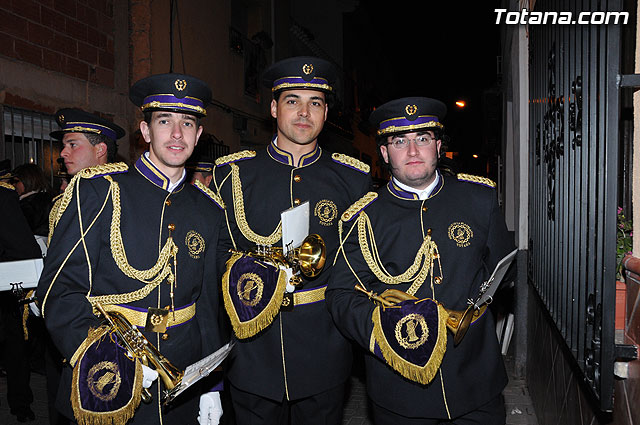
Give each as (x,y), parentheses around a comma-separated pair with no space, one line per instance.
(573,136)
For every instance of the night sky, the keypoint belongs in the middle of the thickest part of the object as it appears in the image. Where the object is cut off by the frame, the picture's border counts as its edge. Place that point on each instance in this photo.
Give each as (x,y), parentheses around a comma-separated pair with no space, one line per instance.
(445,50)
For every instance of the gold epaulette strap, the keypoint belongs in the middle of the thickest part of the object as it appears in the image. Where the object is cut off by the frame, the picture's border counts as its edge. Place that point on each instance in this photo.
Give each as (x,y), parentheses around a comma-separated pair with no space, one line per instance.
(351,162)
(53,214)
(209,193)
(358,206)
(7,186)
(476,179)
(233,157)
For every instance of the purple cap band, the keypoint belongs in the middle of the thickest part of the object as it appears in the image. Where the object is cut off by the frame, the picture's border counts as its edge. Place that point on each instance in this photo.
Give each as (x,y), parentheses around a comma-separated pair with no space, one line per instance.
(88,127)
(395,125)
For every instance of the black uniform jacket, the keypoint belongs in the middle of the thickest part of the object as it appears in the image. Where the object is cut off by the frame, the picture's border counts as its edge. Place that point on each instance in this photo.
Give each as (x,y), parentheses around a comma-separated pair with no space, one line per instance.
(301,353)
(16,239)
(148,211)
(471,236)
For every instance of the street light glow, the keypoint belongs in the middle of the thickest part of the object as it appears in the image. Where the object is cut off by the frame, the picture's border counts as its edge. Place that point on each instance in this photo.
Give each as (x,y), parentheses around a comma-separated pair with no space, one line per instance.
(461,103)
(475,156)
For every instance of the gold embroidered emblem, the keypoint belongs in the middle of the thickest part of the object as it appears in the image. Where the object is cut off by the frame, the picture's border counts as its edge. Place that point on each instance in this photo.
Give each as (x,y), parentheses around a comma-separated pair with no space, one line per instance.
(460,233)
(411,109)
(307,68)
(180,84)
(195,243)
(247,283)
(412,331)
(326,211)
(61,118)
(104,380)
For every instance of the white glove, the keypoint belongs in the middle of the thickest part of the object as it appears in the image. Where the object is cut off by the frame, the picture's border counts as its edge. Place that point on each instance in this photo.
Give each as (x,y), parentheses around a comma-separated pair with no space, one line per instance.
(289,272)
(34,309)
(210,409)
(148,376)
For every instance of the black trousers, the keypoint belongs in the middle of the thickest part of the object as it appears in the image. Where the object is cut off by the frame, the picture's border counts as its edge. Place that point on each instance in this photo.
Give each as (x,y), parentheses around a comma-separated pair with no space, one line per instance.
(15,354)
(320,409)
(492,413)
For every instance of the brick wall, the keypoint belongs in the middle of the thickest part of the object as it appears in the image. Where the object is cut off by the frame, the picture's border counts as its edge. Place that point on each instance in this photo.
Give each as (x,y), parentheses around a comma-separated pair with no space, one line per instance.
(74,37)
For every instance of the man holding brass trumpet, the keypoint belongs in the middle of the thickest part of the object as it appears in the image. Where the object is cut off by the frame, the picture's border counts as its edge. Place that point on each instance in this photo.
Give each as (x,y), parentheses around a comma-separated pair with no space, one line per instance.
(290,362)
(129,288)
(413,258)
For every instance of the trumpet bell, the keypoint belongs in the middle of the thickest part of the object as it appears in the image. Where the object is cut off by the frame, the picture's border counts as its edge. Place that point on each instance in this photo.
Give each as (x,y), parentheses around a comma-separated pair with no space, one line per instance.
(312,255)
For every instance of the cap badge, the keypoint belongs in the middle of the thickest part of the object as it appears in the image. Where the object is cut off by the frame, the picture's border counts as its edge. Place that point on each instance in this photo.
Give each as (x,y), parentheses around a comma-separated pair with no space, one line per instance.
(307,68)
(61,118)
(180,84)
(411,109)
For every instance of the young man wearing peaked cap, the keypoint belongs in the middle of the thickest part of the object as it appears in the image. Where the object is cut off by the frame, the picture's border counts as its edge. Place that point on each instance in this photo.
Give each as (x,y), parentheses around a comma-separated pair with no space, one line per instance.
(290,362)
(138,242)
(423,243)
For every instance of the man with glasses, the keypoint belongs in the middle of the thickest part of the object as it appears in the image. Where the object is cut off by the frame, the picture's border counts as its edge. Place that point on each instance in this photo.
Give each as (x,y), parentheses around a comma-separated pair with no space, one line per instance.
(418,249)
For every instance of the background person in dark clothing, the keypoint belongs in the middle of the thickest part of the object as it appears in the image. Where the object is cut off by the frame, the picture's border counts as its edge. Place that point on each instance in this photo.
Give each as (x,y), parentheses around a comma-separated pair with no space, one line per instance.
(35,196)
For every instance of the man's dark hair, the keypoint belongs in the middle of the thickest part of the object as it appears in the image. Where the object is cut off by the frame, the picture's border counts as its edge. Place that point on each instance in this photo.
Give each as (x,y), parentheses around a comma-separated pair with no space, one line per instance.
(112,147)
(32,178)
(148,114)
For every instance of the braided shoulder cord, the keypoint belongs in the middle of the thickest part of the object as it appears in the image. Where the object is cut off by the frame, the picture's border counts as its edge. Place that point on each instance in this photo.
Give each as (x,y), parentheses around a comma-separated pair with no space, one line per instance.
(241,219)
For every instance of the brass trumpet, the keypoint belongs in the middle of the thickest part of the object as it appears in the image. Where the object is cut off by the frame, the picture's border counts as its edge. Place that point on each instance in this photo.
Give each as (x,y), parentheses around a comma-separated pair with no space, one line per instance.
(308,258)
(457,321)
(141,348)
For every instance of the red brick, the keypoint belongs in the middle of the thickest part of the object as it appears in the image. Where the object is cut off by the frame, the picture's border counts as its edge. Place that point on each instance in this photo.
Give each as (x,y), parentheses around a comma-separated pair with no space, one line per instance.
(52,19)
(42,36)
(87,53)
(6,45)
(102,76)
(76,29)
(109,8)
(64,44)
(87,15)
(105,59)
(93,36)
(28,52)
(105,25)
(110,45)
(47,3)
(75,68)
(66,7)
(53,61)
(27,9)
(13,25)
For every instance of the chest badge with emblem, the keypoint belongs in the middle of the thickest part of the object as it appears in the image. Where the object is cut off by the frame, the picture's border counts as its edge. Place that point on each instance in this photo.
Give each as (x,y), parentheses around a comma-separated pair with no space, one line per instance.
(326,211)
(460,233)
(195,244)
(249,289)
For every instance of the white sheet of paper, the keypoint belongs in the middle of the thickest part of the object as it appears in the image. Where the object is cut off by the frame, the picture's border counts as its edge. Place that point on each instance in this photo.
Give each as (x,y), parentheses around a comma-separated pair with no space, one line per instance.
(295,226)
(25,272)
(496,277)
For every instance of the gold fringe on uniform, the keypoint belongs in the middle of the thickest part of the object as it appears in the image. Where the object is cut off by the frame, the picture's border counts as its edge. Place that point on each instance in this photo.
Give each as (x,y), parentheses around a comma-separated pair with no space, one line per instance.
(117,417)
(421,374)
(25,316)
(244,330)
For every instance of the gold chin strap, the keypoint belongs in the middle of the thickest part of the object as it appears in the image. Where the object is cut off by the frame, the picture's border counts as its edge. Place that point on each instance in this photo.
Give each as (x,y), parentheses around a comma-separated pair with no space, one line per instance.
(416,273)
(241,219)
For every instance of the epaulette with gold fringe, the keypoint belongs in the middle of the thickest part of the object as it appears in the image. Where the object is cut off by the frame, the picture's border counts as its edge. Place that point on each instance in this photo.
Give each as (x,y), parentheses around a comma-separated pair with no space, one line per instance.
(476,179)
(235,157)
(358,206)
(53,214)
(7,186)
(351,162)
(209,193)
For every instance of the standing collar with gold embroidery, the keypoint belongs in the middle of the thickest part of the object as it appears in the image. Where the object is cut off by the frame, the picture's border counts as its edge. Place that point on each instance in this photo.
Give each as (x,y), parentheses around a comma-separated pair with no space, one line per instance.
(286,158)
(404,193)
(154,175)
